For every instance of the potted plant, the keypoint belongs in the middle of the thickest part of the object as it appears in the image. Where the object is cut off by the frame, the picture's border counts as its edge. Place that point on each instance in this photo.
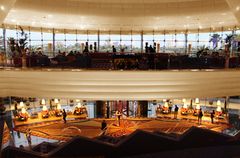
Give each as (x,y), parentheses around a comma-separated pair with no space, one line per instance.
(18,49)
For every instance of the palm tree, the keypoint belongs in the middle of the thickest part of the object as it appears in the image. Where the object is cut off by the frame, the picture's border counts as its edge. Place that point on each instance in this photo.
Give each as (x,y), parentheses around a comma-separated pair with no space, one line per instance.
(228,44)
(215,38)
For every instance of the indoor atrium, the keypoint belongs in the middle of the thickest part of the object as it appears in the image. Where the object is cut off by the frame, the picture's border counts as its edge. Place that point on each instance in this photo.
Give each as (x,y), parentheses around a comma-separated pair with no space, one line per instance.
(119,78)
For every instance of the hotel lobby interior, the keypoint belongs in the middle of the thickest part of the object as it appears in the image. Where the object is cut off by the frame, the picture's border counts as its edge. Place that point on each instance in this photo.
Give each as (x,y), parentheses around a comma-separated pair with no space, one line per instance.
(120,78)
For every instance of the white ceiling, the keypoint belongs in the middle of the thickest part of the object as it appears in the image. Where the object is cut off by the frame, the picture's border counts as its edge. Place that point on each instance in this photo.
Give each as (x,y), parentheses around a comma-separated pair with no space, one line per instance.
(125,14)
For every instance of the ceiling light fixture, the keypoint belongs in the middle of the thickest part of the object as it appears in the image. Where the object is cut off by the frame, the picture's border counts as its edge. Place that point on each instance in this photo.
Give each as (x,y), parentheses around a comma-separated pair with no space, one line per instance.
(2,8)
(238,8)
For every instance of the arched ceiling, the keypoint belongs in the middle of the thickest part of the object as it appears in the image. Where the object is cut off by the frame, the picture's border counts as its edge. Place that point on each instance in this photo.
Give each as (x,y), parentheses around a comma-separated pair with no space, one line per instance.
(125,14)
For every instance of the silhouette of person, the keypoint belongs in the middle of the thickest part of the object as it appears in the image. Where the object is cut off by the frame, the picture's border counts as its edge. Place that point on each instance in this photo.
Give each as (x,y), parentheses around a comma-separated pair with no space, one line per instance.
(114,49)
(103,127)
(118,114)
(28,136)
(86,49)
(212,115)
(200,115)
(175,111)
(151,50)
(64,116)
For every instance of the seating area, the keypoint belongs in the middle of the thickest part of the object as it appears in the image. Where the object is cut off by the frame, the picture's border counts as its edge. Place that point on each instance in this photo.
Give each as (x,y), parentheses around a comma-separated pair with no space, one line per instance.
(127,61)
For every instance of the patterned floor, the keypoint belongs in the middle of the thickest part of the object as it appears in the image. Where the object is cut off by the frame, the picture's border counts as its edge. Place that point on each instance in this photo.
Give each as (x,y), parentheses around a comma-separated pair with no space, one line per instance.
(91,128)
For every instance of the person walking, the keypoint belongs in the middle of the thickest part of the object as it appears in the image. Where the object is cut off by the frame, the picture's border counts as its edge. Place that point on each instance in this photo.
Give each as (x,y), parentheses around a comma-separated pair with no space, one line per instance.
(64,116)
(28,136)
(212,115)
(118,115)
(200,115)
(175,112)
(103,127)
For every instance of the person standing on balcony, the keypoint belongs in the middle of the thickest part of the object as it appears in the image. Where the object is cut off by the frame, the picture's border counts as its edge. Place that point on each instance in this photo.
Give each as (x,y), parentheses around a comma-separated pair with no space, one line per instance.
(114,49)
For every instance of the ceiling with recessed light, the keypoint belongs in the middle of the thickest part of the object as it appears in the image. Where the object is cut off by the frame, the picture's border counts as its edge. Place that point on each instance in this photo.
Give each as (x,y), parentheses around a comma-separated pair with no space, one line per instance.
(122,14)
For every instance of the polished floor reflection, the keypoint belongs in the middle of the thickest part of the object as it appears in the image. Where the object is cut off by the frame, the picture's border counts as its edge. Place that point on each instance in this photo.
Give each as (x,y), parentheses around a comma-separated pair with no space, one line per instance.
(56,131)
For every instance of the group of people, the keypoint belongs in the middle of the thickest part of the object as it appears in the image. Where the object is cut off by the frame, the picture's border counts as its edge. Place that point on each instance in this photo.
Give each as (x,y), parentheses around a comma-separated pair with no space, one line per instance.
(200,114)
(150,49)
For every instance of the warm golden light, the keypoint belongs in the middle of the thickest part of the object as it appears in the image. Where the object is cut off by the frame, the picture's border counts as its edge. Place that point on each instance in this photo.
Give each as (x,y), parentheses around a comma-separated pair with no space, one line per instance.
(185,106)
(166,105)
(56,101)
(59,107)
(44,108)
(23,111)
(198,107)
(184,100)
(219,109)
(2,8)
(21,104)
(197,101)
(79,105)
(43,102)
(219,103)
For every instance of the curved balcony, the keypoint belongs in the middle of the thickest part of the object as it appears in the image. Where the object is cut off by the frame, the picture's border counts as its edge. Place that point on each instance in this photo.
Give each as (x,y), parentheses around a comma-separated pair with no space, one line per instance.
(129,61)
(114,85)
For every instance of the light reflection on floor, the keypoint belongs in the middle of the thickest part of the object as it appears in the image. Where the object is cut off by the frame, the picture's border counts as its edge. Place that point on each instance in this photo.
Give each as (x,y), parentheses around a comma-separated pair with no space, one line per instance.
(58,131)
(17,139)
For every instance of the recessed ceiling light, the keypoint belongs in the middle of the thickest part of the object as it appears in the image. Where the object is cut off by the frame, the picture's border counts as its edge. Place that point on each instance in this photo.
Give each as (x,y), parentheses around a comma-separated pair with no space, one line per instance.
(50,15)
(2,7)
(224,14)
(188,17)
(238,8)
(13,20)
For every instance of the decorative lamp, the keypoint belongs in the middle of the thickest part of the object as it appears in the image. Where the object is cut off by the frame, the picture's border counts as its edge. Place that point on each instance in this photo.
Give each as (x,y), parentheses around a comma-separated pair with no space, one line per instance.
(198,107)
(219,106)
(197,101)
(23,111)
(166,104)
(164,100)
(56,101)
(184,100)
(43,102)
(185,105)
(44,108)
(21,104)
(79,105)
(59,106)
